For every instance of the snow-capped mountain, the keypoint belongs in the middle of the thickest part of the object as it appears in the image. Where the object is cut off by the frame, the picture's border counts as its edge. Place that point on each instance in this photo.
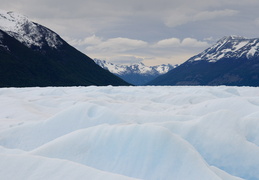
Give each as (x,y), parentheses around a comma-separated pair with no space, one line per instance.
(138,73)
(139,68)
(27,32)
(33,55)
(233,60)
(230,47)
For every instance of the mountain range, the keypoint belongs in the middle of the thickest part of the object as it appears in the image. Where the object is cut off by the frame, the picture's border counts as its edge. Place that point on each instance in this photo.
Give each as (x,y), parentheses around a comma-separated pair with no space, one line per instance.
(232,61)
(33,55)
(136,74)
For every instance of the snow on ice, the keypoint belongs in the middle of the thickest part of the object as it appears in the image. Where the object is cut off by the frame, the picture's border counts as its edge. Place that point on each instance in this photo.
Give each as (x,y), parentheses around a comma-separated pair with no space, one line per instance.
(151,133)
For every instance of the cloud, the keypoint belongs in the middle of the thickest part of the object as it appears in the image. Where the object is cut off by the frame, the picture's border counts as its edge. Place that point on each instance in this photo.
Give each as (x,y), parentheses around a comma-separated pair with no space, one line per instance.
(256,21)
(91,40)
(177,18)
(173,58)
(191,42)
(126,59)
(172,42)
(175,42)
(125,50)
(119,49)
(207,15)
(118,45)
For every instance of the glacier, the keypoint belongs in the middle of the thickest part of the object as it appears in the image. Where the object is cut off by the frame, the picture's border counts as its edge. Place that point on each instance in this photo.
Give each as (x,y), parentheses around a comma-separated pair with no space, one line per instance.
(151,133)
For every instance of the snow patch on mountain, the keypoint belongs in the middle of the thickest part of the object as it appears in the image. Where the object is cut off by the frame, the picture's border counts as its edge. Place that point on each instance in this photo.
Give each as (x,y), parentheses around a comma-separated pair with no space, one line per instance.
(230,47)
(253,50)
(27,32)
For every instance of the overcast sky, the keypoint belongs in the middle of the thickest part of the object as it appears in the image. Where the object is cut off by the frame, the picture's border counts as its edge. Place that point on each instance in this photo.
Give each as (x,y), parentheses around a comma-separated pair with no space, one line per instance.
(151,31)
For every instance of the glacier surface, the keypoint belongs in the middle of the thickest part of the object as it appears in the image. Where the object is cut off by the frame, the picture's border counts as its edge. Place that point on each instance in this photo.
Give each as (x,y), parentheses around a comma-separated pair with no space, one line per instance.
(151,133)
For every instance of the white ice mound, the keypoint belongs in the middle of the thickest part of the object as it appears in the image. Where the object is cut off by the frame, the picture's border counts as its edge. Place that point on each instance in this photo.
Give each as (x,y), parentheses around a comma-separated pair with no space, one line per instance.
(220,138)
(140,151)
(18,167)
(83,115)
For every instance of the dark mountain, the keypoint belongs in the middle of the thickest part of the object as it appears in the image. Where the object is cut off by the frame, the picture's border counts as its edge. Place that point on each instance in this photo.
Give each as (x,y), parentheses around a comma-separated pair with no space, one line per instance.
(232,61)
(136,74)
(33,55)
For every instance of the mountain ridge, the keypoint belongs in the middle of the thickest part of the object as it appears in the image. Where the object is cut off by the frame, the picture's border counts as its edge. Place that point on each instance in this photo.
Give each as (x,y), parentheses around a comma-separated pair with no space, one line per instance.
(230,47)
(27,32)
(137,73)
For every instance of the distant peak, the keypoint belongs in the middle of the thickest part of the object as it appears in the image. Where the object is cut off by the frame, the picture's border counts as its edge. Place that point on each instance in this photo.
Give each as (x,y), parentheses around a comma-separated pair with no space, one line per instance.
(231,37)
(236,37)
(136,68)
(140,63)
(11,16)
(26,31)
(230,47)
(11,13)
(12,22)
